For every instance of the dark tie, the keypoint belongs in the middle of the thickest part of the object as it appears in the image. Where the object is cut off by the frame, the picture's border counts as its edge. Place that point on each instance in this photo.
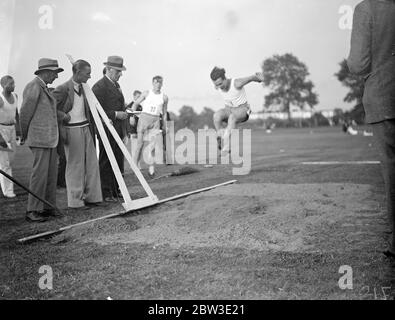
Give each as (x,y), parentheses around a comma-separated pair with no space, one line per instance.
(118,86)
(79,91)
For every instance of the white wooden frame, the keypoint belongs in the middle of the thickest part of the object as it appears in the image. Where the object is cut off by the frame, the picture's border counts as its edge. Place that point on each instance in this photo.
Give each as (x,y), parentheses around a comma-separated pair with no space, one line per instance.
(99,117)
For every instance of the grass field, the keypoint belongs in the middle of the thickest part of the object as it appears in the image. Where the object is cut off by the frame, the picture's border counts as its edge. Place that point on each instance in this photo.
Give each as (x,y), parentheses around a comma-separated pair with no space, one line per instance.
(281,232)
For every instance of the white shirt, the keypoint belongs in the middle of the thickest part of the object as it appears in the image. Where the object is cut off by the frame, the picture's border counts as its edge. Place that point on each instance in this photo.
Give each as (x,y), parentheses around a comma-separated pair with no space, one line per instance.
(8,110)
(234,97)
(77,113)
(153,103)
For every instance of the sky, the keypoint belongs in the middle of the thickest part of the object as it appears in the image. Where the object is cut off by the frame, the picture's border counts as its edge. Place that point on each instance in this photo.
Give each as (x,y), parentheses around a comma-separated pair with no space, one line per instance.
(182,40)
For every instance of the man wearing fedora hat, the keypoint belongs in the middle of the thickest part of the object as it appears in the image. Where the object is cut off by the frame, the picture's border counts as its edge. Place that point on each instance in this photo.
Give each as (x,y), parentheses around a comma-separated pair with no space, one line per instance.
(110,96)
(39,126)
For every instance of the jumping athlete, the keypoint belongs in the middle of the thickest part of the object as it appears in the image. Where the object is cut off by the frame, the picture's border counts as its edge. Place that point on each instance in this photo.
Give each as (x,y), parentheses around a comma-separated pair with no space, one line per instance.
(237,109)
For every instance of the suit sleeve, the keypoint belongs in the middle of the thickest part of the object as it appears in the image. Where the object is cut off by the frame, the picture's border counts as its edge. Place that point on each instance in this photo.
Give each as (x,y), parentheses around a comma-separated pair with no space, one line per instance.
(359,60)
(60,95)
(31,95)
(100,92)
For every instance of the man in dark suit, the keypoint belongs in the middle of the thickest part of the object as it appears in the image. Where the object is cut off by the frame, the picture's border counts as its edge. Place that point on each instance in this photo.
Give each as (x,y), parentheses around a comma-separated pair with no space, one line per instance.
(78,135)
(373,56)
(109,94)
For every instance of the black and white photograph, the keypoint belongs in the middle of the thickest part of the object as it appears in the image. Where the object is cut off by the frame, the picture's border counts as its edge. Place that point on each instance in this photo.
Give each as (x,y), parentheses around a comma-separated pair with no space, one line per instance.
(206,152)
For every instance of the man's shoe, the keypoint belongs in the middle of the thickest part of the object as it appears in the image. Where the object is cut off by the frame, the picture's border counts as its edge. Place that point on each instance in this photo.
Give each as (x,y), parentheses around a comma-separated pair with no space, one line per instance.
(96,204)
(110,199)
(389,254)
(84,208)
(52,213)
(225,152)
(35,216)
(117,194)
(151,171)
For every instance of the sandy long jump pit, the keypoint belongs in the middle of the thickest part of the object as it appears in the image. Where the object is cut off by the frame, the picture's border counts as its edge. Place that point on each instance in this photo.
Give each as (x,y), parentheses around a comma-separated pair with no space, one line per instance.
(286,217)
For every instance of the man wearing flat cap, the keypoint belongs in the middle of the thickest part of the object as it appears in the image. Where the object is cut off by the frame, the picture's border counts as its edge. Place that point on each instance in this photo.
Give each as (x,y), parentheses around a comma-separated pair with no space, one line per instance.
(109,94)
(39,126)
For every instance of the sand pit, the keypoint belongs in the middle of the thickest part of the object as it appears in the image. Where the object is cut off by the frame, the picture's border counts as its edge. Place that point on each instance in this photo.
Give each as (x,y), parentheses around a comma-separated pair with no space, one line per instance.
(91,232)
(253,216)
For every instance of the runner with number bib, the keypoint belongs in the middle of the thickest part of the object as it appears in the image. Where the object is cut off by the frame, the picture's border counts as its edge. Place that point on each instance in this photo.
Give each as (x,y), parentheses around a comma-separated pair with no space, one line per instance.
(154,104)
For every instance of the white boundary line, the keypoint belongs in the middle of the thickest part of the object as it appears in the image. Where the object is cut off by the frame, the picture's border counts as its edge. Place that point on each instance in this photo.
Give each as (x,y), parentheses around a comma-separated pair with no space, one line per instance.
(324,163)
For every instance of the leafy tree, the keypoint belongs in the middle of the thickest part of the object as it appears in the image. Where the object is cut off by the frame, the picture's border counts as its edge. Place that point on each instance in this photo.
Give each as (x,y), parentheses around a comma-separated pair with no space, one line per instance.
(206,118)
(351,81)
(318,119)
(356,85)
(286,76)
(187,118)
(338,116)
(173,116)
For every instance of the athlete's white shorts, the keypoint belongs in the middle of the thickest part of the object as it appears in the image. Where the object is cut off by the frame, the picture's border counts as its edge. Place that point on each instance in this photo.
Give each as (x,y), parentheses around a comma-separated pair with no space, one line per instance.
(241,113)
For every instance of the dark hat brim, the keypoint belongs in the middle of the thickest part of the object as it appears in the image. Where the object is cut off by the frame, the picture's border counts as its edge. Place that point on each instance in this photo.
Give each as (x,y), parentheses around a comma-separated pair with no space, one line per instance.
(114,67)
(58,70)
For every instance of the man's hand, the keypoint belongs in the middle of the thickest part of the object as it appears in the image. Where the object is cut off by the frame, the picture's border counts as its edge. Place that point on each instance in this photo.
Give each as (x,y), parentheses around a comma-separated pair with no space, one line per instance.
(67,118)
(260,77)
(18,140)
(120,115)
(132,121)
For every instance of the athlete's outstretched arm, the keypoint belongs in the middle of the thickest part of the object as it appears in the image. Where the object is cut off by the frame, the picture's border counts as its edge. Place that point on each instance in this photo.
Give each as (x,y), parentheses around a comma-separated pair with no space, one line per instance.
(139,100)
(241,82)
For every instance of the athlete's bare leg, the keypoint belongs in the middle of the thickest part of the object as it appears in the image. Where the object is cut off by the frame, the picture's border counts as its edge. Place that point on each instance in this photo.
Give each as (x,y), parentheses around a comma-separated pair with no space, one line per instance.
(218,119)
(231,125)
(151,148)
(139,148)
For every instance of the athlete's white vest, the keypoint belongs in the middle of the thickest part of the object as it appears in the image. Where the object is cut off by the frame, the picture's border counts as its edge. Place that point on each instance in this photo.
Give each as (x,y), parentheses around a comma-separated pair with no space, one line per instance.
(153,103)
(8,111)
(234,97)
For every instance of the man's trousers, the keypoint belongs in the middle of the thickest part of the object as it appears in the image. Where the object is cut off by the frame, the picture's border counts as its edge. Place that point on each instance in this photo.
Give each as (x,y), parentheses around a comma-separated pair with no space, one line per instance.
(43,178)
(384,135)
(110,186)
(82,168)
(8,134)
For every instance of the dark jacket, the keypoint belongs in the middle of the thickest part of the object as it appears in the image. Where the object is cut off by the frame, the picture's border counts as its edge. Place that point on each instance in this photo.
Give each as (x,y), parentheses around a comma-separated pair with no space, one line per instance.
(64,95)
(112,100)
(373,56)
(38,118)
